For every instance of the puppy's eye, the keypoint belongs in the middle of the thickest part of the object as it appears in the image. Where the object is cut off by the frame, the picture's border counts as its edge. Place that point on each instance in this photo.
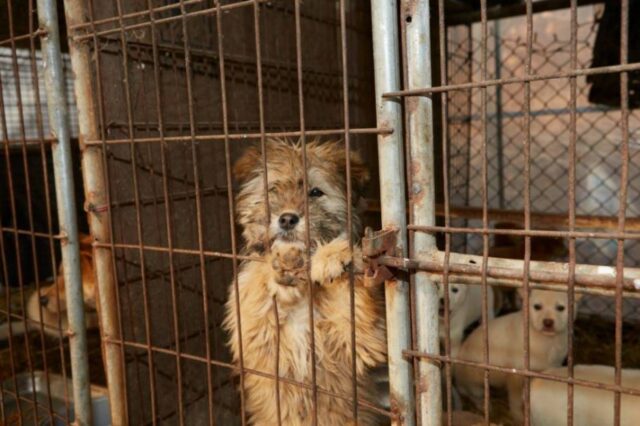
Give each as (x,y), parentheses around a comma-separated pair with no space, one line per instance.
(316,192)
(537,306)
(560,308)
(455,289)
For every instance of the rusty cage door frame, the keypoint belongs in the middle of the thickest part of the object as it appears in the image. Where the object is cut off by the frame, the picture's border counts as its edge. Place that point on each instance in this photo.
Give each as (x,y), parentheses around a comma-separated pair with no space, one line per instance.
(420,147)
(426,263)
(386,56)
(97,207)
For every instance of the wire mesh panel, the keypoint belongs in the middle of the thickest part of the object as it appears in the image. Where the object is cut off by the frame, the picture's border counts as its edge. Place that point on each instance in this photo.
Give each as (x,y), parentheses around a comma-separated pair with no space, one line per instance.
(598,132)
(180,90)
(35,371)
(537,132)
(532,174)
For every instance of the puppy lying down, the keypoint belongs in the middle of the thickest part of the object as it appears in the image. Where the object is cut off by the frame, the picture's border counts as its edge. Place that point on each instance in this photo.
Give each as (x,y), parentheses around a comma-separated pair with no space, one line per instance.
(591,407)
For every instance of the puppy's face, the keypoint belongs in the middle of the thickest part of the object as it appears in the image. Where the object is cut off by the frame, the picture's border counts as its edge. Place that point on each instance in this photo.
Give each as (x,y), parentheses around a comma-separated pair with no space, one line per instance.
(287,221)
(548,311)
(457,296)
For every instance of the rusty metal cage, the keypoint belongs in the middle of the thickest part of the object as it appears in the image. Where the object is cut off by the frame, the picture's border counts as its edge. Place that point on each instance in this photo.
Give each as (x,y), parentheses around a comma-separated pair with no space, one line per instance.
(498,166)
(43,342)
(177,91)
(522,142)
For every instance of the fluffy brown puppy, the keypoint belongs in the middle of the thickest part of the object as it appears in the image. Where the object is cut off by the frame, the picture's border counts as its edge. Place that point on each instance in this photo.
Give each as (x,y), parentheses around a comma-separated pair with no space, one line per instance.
(281,276)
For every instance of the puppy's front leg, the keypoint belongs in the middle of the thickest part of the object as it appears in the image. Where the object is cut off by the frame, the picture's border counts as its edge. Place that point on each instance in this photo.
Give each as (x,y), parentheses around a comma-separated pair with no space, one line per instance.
(330,261)
(288,262)
(329,268)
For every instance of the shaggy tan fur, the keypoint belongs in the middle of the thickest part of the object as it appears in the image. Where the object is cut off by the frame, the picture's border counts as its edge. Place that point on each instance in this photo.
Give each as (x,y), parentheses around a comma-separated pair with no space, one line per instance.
(280,276)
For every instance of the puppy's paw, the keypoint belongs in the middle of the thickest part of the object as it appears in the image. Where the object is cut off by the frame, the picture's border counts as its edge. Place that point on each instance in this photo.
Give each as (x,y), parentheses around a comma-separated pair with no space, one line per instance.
(288,262)
(331,261)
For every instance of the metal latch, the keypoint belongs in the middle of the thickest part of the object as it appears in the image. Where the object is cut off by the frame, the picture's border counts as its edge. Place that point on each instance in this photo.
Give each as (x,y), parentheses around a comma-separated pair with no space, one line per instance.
(374,245)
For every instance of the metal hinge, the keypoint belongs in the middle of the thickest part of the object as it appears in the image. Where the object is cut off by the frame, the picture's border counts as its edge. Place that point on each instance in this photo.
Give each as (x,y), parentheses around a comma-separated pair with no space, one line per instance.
(374,245)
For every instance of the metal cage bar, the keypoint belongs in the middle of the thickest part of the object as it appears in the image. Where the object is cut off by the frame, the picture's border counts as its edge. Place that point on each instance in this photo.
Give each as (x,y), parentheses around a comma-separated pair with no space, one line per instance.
(65,196)
(384,15)
(415,359)
(12,96)
(617,280)
(419,115)
(96,204)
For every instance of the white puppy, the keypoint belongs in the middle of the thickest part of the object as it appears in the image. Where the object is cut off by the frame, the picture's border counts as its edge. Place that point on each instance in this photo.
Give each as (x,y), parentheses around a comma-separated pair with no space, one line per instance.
(465,308)
(591,407)
(548,321)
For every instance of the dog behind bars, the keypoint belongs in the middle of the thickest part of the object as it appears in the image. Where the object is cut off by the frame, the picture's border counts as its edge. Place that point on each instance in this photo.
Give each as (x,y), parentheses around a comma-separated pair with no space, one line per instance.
(278,280)
(48,307)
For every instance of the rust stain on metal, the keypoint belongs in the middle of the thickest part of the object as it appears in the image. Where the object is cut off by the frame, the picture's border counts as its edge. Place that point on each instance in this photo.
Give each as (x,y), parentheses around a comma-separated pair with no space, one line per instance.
(397,407)
(423,385)
(379,242)
(413,103)
(415,168)
(417,193)
(374,245)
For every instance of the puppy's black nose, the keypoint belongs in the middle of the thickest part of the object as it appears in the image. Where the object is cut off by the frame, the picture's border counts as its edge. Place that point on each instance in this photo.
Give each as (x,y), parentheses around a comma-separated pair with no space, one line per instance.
(288,221)
(547,322)
(44,300)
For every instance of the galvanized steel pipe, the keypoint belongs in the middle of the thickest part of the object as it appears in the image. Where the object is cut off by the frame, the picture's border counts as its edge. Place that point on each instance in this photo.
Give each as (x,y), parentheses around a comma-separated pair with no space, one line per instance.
(384,15)
(65,198)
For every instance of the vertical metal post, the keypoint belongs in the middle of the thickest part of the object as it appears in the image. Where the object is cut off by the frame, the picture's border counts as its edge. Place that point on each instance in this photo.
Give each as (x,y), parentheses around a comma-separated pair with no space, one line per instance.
(65,197)
(496,132)
(96,200)
(384,15)
(419,110)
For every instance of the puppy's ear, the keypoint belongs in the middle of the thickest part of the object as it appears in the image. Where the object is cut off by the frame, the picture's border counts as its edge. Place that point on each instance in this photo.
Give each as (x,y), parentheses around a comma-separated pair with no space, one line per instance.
(335,153)
(247,165)
(521,292)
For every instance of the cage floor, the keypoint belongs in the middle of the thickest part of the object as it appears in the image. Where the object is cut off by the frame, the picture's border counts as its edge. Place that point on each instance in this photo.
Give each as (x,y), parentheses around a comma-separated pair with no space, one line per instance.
(594,344)
(36,357)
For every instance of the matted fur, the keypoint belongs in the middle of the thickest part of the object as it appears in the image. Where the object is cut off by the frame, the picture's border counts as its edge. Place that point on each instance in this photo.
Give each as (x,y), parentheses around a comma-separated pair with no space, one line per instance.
(281,275)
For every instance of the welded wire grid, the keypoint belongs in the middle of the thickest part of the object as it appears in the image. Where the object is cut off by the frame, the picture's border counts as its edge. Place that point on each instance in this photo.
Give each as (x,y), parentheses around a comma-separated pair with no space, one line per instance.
(180,90)
(598,131)
(520,135)
(34,367)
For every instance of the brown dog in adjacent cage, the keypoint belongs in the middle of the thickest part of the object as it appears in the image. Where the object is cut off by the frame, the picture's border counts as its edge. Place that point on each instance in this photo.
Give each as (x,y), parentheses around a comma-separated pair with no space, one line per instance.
(48,306)
(277,284)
